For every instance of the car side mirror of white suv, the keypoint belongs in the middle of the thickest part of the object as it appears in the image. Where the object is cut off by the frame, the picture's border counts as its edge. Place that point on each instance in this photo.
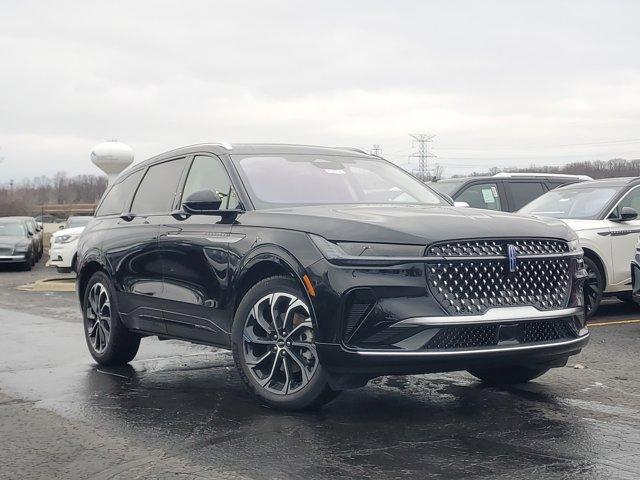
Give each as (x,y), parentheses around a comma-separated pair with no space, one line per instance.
(626,214)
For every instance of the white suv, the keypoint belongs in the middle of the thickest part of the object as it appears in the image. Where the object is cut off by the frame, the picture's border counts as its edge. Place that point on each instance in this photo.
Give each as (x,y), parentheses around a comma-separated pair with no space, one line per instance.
(604,214)
(63,249)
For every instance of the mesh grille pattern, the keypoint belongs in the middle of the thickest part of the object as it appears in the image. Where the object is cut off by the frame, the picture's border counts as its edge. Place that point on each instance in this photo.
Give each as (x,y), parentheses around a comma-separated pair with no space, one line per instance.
(470,288)
(497,247)
(6,250)
(471,336)
(355,314)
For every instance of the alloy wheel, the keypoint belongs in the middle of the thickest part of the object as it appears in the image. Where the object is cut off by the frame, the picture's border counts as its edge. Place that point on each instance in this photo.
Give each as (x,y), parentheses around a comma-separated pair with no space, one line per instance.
(98,317)
(278,343)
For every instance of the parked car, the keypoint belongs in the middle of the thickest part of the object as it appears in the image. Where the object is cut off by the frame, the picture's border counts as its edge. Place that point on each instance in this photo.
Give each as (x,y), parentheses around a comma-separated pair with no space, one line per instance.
(47,218)
(321,268)
(16,245)
(63,249)
(604,214)
(38,234)
(506,192)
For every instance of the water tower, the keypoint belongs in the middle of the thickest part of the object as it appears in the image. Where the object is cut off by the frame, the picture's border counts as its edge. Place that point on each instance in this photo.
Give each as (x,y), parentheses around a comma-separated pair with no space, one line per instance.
(112,157)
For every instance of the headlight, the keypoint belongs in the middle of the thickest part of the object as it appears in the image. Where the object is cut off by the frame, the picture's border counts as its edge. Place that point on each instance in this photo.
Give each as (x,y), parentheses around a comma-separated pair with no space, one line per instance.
(574,245)
(358,252)
(65,238)
(21,248)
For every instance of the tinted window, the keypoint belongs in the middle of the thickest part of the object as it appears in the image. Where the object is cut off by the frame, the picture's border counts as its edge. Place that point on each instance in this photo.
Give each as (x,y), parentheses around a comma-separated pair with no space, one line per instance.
(116,197)
(312,180)
(481,195)
(208,173)
(446,186)
(158,188)
(523,192)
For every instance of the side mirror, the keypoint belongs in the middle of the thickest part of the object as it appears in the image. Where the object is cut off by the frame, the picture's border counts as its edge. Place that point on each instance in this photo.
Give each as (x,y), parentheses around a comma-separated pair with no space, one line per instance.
(461,204)
(61,227)
(202,202)
(626,214)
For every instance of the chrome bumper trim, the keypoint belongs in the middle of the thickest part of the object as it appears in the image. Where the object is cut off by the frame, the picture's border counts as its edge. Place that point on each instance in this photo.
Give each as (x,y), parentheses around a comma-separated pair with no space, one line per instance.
(12,257)
(493,315)
(477,351)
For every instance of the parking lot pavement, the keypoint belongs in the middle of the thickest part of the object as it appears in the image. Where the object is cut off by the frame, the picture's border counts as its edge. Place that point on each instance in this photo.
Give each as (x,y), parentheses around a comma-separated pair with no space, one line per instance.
(180,411)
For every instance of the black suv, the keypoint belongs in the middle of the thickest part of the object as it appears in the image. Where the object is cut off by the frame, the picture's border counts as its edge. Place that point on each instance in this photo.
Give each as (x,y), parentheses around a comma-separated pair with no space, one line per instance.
(322,268)
(506,192)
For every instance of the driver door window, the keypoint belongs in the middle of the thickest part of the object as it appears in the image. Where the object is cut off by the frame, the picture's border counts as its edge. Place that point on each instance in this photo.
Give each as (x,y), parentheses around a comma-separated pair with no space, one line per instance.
(208,173)
(481,195)
(624,236)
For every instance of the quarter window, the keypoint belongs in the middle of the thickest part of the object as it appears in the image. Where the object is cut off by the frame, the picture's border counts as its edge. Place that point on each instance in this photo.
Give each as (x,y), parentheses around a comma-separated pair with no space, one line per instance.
(208,173)
(482,195)
(114,201)
(157,191)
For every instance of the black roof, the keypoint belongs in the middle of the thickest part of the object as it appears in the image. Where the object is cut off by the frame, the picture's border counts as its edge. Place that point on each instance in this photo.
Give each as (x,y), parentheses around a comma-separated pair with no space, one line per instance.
(255,148)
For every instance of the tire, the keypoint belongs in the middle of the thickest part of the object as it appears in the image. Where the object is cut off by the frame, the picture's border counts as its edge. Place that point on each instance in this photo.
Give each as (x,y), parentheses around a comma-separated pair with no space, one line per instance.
(279,369)
(508,375)
(108,340)
(593,287)
(26,266)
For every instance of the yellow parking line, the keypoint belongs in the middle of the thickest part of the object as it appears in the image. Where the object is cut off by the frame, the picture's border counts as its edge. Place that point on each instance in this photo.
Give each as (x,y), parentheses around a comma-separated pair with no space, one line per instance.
(619,322)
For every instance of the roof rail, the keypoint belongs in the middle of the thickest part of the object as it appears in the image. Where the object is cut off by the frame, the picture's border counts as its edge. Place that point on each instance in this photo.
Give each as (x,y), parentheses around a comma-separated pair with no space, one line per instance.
(355,149)
(225,145)
(532,174)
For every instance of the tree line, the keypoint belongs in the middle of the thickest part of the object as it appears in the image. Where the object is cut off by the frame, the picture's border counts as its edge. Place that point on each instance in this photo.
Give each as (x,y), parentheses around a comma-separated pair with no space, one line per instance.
(617,167)
(26,197)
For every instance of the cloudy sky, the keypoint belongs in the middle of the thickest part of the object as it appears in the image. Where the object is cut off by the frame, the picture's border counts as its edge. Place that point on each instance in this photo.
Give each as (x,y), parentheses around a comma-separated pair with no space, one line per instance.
(498,83)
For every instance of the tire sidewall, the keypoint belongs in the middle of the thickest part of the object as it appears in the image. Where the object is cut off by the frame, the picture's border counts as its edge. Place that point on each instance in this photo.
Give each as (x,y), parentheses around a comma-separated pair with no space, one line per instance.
(316,386)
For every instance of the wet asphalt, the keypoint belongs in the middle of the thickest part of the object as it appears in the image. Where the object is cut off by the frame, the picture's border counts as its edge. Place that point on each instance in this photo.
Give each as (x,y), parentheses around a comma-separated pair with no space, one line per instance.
(179,411)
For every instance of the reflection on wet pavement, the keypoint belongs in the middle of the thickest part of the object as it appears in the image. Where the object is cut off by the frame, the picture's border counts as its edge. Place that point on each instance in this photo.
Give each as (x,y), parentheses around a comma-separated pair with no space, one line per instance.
(188,401)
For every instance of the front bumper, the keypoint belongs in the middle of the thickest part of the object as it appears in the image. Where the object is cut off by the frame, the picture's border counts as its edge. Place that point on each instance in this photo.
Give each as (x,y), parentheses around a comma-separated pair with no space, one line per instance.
(61,255)
(16,258)
(378,321)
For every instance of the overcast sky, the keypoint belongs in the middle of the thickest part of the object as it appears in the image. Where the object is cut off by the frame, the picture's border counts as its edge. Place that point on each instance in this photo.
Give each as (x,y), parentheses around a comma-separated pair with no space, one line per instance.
(498,83)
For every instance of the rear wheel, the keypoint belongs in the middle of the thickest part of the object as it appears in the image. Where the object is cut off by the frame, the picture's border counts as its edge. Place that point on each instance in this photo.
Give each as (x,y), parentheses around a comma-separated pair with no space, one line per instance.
(593,287)
(508,375)
(109,341)
(274,347)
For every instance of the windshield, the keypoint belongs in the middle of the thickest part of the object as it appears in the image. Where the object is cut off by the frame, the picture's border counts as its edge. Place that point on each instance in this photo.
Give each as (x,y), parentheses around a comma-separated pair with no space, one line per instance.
(78,221)
(569,203)
(289,180)
(12,229)
(446,186)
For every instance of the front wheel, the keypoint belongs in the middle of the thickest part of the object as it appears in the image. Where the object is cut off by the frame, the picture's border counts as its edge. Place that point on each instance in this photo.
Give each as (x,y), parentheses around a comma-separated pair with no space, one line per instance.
(109,341)
(593,287)
(508,375)
(274,347)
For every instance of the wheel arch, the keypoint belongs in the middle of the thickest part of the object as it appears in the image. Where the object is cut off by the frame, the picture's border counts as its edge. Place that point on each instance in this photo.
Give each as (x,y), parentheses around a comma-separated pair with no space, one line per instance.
(592,255)
(264,262)
(89,267)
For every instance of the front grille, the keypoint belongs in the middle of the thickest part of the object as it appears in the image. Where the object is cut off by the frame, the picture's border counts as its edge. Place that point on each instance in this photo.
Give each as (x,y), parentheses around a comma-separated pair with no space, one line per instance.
(6,250)
(497,247)
(488,335)
(471,287)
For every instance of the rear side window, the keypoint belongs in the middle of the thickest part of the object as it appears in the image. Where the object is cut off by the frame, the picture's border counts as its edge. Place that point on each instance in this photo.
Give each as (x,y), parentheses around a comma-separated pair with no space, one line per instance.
(482,195)
(523,192)
(158,188)
(116,197)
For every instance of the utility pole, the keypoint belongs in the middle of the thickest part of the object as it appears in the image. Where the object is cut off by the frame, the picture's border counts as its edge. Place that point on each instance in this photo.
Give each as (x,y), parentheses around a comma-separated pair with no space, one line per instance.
(422,141)
(376,150)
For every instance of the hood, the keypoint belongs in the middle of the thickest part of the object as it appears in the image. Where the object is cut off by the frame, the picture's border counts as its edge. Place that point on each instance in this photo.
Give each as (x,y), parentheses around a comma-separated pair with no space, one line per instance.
(69,231)
(13,241)
(579,225)
(407,224)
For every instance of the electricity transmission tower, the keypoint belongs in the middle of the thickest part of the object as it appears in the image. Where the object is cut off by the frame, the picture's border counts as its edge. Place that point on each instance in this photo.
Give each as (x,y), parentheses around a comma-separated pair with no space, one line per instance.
(423,155)
(376,150)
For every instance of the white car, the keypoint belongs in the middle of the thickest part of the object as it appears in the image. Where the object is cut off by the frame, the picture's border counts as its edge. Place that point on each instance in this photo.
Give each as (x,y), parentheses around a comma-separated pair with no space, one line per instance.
(604,214)
(63,249)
